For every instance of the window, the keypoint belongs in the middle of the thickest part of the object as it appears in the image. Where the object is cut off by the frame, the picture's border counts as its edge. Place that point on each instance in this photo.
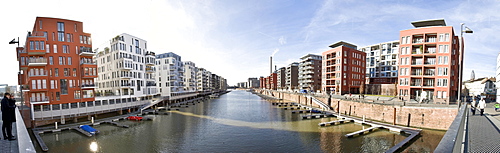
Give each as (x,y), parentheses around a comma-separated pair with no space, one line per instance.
(60,31)
(74,72)
(68,37)
(76,28)
(47,48)
(61,60)
(55,48)
(66,72)
(445,60)
(52,86)
(40,24)
(64,86)
(439,94)
(445,94)
(32,45)
(42,44)
(58,96)
(69,60)
(56,72)
(77,95)
(44,84)
(446,37)
(51,60)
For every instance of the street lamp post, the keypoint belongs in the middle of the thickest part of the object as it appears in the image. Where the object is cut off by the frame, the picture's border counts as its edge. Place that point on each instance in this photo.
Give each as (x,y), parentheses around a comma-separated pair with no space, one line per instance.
(467,30)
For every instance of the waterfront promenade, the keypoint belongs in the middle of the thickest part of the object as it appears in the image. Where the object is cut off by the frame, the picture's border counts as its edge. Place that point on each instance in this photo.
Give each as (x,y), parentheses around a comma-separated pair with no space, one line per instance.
(6,145)
(483,131)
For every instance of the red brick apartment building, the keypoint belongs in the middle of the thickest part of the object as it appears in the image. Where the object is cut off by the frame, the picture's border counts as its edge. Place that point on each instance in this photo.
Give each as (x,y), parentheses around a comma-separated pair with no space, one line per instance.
(343,68)
(429,62)
(57,70)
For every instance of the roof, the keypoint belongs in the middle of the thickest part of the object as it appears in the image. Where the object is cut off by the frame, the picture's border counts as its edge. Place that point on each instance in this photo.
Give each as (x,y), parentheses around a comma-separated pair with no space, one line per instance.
(428,23)
(342,43)
(482,80)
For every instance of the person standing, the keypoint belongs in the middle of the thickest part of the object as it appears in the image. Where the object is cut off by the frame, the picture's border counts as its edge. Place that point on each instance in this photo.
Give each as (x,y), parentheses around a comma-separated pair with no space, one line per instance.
(482,105)
(8,116)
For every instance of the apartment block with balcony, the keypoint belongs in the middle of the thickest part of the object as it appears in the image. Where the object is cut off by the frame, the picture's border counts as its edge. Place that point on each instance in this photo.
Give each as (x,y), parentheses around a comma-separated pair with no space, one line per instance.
(382,62)
(343,68)
(310,72)
(56,68)
(126,68)
(203,77)
(281,78)
(429,58)
(190,79)
(292,76)
(170,76)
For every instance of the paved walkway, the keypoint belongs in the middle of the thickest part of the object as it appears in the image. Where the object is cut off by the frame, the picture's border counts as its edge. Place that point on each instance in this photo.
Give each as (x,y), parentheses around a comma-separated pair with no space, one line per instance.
(6,145)
(484,134)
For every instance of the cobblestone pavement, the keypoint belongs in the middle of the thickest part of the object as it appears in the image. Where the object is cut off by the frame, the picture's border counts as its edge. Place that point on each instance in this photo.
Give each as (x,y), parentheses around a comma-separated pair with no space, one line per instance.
(483,132)
(6,145)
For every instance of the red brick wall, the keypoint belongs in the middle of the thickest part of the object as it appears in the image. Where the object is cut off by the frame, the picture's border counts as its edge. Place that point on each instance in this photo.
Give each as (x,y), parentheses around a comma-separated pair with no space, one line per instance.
(423,117)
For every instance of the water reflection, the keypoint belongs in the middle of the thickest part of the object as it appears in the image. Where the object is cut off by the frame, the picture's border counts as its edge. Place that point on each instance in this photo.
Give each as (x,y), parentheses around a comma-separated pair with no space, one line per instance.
(93,146)
(235,122)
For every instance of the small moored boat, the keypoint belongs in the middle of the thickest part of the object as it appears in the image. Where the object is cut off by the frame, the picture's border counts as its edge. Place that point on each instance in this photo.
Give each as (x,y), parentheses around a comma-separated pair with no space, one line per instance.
(89,129)
(137,118)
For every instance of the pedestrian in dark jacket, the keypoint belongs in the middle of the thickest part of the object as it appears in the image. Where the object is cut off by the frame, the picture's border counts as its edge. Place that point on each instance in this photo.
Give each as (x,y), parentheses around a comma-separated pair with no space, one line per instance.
(8,116)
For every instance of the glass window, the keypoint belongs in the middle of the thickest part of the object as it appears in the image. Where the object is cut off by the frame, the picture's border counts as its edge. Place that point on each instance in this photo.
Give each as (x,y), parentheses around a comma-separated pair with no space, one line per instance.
(64,86)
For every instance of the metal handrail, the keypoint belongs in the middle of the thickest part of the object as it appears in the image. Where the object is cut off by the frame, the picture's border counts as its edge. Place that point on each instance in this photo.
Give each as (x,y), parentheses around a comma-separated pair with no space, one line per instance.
(452,140)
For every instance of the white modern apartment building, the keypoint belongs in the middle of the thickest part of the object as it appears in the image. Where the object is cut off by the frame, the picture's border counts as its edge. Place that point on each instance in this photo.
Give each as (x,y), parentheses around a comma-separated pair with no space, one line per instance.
(190,76)
(203,80)
(382,62)
(170,76)
(310,72)
(125,68)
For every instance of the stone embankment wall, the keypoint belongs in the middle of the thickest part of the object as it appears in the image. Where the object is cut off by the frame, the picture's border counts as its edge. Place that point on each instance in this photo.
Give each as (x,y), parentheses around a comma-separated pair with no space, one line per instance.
(423,117)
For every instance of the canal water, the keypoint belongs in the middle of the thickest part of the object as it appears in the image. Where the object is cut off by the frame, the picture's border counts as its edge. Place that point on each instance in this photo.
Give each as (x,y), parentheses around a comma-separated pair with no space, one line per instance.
(235,122)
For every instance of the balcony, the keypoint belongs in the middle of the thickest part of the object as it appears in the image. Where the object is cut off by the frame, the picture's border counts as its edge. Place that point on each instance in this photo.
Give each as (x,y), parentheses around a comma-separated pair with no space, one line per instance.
(89,61)
(42,73)
(125,68)
(125,76)
(149,70)
(39,100)
(36,52)
(86,51)
(150,84)
(126,85)
(37,61)
(25,88)
(87,75)
(88,86)
(150,53)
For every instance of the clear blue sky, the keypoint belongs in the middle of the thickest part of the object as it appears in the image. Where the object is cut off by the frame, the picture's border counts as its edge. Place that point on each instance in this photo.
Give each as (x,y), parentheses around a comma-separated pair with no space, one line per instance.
(234,39)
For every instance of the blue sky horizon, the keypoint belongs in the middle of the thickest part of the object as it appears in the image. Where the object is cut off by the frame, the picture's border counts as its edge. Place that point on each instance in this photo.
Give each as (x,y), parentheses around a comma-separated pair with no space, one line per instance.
(235,39)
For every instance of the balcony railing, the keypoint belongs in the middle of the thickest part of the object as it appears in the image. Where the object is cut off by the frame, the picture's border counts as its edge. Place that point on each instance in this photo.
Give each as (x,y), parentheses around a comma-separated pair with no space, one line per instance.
(126,85)
(150,53)
(150,84)
(39,99)
(36,34)
(88,85)
(38,60)
(42,73)
(86,50)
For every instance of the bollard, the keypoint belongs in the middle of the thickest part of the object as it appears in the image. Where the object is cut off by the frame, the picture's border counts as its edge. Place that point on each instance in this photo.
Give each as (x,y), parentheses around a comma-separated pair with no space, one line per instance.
(56,125)
(394,117)
(92,120)
(363,118)
(409,118)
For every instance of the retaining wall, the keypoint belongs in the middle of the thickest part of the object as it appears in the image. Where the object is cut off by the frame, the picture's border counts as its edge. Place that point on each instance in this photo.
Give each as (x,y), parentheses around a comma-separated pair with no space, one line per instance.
(424,117)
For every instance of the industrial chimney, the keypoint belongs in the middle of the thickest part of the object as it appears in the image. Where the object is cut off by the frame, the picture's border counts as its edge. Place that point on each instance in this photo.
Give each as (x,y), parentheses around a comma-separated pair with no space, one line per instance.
(271,64)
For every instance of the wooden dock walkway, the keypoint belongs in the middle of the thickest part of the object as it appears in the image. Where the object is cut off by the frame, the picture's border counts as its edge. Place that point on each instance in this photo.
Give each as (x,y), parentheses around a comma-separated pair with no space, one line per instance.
(335,122)
(301,111)
(362,132)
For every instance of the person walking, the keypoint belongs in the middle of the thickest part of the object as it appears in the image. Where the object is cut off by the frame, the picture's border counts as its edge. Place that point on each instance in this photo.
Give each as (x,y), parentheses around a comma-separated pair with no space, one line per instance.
(8,116)
(497,106)
(482,105)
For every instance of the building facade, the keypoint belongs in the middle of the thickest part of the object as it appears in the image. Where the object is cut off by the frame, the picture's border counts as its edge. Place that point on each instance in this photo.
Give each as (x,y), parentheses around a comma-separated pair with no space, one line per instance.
(292,76)
(56,67)
(382,62)
(253,83)
(310,72)
(126,68)
(190,80)
(429,62)
(281,78)
(170,76)
(203,80)
(343,68)
(481,86)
